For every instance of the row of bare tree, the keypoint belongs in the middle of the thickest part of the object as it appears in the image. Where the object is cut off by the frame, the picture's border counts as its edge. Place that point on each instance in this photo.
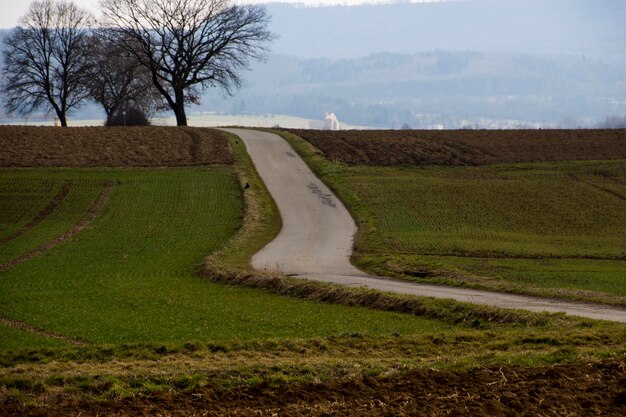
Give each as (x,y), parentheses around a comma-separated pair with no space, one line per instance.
(145,54)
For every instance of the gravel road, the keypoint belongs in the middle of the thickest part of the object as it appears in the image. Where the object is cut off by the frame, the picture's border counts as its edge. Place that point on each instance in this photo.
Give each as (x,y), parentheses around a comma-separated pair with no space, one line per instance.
(316,239)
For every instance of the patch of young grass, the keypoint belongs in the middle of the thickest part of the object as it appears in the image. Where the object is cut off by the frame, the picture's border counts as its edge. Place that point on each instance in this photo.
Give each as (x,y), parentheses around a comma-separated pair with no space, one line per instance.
(131,275)
(515,211)
(70,210)
(21,201)
(556,229)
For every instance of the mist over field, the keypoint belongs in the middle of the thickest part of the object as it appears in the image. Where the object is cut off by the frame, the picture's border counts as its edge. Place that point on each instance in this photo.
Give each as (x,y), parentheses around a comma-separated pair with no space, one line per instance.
(473,63)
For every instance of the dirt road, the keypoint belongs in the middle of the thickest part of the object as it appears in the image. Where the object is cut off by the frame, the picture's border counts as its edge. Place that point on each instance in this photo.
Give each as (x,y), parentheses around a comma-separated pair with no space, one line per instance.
(317,236)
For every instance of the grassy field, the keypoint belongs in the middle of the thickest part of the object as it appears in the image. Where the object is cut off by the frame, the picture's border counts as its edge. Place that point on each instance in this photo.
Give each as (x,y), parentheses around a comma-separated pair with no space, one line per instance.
(551,229)
(130,277)
(17,340)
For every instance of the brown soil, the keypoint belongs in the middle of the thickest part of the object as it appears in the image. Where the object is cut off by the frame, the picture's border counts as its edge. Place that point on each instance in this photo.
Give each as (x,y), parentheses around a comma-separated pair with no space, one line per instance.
(466,147)
(578,390)
(91,214)
(27,146)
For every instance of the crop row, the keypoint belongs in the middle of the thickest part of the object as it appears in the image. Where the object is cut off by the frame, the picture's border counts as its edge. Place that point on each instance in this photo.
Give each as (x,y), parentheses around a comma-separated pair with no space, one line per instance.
(509,212)
(21,200)
(61,219)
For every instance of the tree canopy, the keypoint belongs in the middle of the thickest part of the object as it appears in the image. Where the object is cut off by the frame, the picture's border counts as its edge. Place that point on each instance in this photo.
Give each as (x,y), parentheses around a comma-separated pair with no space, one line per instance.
(189,45)
(45,59)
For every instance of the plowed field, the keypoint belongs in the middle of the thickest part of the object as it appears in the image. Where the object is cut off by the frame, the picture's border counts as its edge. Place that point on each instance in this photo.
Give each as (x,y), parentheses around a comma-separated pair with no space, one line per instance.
(465,147)
(25,146)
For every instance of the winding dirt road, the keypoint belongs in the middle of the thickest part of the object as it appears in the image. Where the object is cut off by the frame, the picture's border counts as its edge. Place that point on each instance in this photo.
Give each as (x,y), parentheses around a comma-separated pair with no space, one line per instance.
(316,239)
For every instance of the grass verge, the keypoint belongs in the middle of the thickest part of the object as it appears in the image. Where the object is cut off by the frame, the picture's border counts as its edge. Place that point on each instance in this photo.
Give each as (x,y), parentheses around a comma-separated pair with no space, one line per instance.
(261,221)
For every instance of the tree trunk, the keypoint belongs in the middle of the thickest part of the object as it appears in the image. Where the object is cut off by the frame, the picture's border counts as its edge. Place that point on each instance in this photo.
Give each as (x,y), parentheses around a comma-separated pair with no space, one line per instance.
(181,117)
(179,107)
(62,118)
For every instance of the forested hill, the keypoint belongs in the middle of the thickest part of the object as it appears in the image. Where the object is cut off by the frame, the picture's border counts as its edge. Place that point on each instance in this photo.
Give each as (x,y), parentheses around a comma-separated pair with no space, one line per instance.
(428,89)
(594,28)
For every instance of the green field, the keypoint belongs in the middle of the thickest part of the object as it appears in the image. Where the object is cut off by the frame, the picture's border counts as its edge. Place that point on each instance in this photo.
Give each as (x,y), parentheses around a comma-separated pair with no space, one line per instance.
(552,229)
(131,276)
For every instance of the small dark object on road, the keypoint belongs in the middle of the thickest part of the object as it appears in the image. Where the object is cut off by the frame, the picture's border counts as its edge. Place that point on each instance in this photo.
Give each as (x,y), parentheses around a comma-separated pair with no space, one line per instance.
(245,187)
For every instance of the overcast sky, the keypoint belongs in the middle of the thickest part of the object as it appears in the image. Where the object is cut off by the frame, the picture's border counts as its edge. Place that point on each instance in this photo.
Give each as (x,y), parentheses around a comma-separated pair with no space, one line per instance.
(12,10)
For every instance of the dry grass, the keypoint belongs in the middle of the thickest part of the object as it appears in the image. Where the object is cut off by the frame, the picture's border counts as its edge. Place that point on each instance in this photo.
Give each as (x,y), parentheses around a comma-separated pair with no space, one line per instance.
(26,146)
(592,388)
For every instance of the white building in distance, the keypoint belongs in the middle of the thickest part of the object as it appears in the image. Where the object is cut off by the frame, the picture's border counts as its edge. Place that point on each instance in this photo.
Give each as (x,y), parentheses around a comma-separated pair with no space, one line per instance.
(330,122)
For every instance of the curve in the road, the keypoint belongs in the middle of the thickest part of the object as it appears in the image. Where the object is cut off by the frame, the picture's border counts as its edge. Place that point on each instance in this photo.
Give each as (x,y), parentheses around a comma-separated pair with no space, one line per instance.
(316,239)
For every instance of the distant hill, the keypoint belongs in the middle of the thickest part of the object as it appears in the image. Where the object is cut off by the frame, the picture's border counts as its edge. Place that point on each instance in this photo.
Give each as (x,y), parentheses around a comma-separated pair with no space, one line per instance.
(453,89)
(594,28)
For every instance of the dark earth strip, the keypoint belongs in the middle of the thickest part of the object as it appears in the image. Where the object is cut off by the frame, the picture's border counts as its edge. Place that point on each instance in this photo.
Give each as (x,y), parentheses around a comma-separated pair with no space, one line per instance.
(465,147)
(146,146)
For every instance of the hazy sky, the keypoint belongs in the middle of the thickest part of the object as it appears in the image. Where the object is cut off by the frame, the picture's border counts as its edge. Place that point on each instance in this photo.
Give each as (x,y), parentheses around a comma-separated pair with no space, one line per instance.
(12,10)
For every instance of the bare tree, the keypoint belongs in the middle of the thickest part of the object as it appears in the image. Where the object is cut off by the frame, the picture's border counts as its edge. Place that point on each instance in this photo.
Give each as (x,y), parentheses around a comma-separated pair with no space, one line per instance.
(44,59)
(117,81)
(189,45)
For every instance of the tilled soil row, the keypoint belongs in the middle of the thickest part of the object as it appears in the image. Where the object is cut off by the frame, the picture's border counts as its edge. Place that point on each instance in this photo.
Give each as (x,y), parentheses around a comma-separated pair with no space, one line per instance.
(577,389)
(149,146)
(466,147)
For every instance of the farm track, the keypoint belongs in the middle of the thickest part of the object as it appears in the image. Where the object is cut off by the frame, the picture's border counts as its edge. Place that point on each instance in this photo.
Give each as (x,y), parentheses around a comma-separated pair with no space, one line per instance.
(312,242)
(89,216)
(600,187)
(38,331)
(43,214)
